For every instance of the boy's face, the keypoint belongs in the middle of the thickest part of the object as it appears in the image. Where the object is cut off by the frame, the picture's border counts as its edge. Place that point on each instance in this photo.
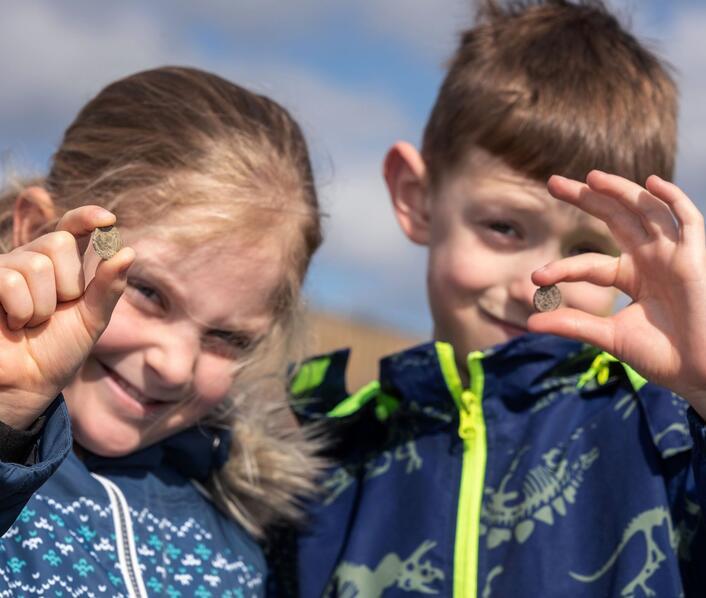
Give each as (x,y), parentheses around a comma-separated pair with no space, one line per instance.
(488,229)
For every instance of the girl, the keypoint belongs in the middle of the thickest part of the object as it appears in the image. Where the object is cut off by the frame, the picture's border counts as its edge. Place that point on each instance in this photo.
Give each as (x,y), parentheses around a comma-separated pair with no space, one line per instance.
(180,450)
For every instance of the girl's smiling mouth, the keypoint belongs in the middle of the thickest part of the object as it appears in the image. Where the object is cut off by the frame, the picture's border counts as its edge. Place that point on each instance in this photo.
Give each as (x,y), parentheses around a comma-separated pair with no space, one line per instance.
(131,398)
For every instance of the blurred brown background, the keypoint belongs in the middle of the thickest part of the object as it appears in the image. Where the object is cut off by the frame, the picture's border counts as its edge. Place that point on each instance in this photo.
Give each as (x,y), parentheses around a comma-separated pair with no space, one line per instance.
(368,343)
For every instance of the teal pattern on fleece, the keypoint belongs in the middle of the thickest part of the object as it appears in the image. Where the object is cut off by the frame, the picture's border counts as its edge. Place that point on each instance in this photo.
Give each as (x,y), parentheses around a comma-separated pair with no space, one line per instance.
(63,543)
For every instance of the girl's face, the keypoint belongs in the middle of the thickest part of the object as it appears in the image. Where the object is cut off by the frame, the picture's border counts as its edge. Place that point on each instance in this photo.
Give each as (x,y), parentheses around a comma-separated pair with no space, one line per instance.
(175,341)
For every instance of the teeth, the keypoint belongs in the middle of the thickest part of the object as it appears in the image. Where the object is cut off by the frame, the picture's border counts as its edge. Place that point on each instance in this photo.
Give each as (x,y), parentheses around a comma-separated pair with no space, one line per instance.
(131,390)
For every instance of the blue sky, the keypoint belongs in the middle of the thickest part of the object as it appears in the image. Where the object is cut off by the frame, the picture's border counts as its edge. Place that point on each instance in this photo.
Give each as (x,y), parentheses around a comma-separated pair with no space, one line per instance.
(357,75)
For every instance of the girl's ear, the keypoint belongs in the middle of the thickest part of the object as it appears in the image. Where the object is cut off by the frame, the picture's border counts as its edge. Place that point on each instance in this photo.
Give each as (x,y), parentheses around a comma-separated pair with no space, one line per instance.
(34,207)
(405,174)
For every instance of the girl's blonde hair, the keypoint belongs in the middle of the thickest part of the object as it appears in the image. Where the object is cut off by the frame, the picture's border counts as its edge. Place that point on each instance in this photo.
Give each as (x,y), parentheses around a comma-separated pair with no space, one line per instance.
(182,153)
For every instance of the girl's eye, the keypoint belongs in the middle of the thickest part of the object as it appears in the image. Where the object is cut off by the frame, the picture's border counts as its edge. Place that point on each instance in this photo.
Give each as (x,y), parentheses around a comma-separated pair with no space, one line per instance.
(144,295)
(228,344)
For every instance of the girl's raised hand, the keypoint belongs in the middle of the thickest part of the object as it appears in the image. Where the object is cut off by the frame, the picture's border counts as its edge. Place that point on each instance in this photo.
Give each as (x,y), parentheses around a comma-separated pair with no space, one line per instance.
(662,268)
(49,319)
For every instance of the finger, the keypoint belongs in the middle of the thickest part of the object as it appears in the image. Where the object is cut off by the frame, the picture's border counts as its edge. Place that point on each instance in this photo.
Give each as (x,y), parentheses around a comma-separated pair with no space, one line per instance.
(690,219)
(655,215)
(104,290)
(38,272)
(596,268)
(623,223)
(82,221)
(62,249)
(575,324)
(15,298)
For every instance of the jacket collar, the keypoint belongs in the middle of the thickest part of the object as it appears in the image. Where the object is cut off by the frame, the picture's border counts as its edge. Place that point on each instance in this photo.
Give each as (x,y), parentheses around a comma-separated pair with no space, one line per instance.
(194,453)
(524,370)
(511,370)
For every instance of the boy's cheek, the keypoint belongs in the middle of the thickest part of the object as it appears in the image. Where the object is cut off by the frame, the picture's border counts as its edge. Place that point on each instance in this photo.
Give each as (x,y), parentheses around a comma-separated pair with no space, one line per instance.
(460,271)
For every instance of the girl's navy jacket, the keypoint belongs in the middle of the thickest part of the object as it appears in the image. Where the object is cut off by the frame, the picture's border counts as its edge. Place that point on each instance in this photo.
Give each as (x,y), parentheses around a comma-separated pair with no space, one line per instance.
(129,527)
(554,471)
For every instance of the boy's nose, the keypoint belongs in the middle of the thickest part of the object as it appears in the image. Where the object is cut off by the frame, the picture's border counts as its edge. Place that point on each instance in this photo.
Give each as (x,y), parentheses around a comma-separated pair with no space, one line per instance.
(173,359)
(521,287)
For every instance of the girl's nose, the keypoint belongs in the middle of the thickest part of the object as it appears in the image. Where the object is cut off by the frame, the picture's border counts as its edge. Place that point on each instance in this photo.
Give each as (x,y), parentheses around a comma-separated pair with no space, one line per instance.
(172,359)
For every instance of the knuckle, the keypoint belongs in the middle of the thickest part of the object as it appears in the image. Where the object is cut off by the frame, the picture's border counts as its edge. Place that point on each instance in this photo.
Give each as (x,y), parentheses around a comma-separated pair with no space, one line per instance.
(38,263)
(12,280)
(22,313)
(61,241)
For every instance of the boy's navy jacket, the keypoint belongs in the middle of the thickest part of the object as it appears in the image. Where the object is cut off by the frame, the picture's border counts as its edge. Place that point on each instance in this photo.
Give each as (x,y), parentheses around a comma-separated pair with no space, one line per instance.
(556,472)
(132,526)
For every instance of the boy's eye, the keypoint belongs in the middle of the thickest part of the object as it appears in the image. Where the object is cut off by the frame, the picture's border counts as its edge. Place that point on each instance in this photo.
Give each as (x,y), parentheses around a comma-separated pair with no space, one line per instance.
(504,228)
(580,249)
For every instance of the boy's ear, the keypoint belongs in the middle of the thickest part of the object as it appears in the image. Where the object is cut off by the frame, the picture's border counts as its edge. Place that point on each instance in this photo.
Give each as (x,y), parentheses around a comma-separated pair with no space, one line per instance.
(34,207)
(405,174)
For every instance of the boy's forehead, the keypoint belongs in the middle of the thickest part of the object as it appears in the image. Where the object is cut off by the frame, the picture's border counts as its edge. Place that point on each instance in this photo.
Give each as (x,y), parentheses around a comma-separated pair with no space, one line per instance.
(486,179)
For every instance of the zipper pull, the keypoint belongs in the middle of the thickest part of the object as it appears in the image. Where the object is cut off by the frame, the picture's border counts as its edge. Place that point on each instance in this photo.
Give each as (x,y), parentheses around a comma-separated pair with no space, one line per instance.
(467,413)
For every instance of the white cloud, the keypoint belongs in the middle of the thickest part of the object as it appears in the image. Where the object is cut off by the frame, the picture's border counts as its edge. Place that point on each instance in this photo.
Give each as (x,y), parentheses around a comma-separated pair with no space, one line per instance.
(684,46)
(52,63)
(430,28)
(75,52)
(55,55)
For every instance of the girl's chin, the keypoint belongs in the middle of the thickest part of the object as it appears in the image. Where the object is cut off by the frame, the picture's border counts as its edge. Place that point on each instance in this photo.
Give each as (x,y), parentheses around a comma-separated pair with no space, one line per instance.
(107,439)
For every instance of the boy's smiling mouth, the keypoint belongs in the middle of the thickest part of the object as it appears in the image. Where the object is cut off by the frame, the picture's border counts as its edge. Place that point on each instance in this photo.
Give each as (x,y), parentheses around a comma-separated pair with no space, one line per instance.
(510,328)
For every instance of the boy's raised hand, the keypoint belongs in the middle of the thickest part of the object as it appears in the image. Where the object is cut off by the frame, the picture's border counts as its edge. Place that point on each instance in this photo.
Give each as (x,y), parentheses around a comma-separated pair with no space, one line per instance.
(662,268)
(49,322)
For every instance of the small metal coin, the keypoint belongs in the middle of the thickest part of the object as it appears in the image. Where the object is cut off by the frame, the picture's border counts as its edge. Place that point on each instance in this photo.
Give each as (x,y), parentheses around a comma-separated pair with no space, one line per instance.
(547,298)
(106,241)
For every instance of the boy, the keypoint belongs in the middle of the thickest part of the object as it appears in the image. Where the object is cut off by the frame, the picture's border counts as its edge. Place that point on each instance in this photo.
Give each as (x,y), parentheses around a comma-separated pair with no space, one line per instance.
(541,466)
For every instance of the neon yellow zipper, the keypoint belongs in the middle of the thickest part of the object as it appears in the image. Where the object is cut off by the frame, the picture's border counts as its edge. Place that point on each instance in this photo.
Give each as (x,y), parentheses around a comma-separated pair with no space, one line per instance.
(471,430)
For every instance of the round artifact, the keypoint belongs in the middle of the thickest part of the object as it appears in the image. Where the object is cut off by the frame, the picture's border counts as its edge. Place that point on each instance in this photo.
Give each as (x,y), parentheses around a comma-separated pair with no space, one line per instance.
(547,298)
(106,241)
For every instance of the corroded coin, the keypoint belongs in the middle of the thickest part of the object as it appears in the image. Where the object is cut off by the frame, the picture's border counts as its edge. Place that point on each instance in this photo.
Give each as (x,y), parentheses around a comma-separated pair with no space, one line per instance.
(106,241)
(547,298)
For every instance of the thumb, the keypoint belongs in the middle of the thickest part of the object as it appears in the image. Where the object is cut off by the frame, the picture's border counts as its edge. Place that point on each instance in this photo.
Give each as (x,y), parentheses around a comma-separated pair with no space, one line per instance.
(102,294)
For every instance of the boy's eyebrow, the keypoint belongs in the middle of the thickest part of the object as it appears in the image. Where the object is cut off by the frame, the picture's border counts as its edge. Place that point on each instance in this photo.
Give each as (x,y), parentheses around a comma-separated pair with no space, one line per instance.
(525,203)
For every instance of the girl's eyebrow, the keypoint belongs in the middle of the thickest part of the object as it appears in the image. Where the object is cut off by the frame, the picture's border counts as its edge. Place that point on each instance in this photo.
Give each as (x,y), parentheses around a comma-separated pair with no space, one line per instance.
(147,269)
(143,267)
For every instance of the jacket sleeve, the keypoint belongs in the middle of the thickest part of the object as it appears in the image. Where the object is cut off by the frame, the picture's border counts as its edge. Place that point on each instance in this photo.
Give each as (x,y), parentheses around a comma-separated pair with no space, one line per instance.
(697,427)
(18,482)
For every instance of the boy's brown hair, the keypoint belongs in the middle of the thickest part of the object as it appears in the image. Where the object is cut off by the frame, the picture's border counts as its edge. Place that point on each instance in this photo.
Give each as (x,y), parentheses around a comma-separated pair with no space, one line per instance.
(554,87)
